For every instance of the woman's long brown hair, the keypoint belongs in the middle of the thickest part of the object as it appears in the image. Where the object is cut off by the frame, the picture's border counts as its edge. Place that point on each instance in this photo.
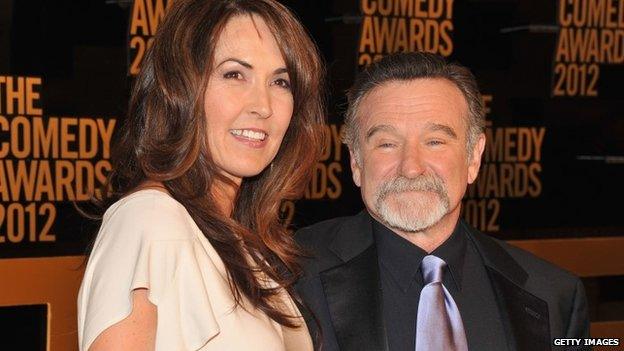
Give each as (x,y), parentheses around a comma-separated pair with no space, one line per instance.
(164,140)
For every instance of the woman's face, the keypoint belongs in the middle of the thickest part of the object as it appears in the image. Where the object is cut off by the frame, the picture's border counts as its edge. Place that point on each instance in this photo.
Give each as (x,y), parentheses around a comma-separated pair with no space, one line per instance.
(248,100)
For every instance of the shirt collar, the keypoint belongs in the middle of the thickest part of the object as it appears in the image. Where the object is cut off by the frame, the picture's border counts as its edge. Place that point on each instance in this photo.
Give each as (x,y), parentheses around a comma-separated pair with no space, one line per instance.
(402,258)
(453,252)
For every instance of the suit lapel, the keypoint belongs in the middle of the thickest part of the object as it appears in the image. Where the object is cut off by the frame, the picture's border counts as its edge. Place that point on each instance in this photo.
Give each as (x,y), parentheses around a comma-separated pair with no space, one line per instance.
(525,316)
(353,289)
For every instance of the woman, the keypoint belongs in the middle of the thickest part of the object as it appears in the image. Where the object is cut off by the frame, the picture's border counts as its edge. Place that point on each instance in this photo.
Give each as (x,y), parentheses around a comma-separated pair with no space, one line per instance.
(224,123)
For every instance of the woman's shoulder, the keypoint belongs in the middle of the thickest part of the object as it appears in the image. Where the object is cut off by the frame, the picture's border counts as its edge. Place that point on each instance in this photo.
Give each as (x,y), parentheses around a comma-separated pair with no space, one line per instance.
(145,200)
(148,214)
(148,240)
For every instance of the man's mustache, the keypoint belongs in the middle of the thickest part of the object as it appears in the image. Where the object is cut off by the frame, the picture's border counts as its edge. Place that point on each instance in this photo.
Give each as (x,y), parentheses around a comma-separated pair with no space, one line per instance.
(424,182)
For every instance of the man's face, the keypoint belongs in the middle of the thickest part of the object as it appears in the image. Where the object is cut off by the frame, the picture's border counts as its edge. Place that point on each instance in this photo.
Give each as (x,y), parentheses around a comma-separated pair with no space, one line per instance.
(413,164)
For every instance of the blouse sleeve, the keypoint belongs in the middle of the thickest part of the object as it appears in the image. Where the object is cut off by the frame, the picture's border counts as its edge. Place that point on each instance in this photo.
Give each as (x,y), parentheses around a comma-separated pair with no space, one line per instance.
(148,255)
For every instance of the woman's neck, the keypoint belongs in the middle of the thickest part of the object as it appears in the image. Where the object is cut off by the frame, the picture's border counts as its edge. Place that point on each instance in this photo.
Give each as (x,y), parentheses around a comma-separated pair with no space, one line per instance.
(151,184)
(224,195)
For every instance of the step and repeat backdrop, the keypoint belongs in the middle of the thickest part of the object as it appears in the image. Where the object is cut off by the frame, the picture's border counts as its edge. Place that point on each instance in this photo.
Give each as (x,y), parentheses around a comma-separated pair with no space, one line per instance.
(552,179)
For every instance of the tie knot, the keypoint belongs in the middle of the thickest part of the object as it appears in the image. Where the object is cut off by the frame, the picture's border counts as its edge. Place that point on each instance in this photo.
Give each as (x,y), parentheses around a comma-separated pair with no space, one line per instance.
(432,268)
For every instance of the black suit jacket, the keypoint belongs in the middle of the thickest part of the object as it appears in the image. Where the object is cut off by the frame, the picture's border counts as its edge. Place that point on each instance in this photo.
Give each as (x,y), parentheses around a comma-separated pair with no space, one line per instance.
(342,290)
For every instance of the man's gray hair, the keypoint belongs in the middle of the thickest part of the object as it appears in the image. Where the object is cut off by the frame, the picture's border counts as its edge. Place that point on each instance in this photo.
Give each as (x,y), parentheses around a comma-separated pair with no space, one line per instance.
(411,66)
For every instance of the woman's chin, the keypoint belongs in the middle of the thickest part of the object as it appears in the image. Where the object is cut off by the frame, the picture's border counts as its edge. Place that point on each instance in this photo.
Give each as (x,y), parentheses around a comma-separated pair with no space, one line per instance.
(238,173)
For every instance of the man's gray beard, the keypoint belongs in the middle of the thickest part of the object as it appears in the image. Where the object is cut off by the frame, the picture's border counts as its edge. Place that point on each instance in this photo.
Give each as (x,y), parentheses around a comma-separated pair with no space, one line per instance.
(412,216)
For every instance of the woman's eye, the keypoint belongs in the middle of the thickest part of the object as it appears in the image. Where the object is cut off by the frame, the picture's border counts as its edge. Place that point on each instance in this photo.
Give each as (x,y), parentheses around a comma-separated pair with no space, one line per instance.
(281,82)
(233,75)
(386,145)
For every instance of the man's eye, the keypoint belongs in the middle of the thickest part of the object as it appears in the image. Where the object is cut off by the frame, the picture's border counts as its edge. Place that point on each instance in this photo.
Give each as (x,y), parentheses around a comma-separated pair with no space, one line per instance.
(284,83)
(233,75)
(386,145)
(435,142)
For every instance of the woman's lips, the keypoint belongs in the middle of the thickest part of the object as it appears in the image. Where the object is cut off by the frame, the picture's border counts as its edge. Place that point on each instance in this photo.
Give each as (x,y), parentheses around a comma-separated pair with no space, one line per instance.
(251,137)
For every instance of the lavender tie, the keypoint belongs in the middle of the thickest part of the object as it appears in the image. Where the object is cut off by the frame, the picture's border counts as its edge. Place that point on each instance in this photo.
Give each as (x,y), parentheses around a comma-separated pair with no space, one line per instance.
(439,325)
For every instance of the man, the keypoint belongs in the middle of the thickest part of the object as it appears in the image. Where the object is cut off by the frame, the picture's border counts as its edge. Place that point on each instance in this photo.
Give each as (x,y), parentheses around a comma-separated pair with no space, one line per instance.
(407,273)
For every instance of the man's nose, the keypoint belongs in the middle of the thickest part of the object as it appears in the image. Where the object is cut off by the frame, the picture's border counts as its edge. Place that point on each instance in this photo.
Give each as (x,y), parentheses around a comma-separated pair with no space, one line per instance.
(412,162)
(260,103)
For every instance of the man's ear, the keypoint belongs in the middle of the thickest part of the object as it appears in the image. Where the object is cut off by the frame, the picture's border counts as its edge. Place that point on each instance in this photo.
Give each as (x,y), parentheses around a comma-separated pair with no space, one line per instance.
(475,161)
(355,168)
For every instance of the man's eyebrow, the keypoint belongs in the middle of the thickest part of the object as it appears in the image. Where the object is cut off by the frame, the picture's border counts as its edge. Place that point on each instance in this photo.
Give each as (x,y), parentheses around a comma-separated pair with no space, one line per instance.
(379,128)
(249,65)
(434,127)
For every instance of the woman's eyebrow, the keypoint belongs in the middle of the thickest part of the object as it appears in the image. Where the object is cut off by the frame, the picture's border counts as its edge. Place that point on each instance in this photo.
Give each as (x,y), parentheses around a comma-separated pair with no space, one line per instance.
(240,62)
(249,65)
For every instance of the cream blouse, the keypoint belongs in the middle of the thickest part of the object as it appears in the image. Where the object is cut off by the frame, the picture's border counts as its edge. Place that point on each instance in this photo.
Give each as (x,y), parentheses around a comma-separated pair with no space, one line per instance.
(148,240)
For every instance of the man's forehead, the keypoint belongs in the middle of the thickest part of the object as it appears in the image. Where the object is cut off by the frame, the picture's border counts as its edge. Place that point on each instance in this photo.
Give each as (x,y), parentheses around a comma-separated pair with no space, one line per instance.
(414,98)
(392,129)
(404,91)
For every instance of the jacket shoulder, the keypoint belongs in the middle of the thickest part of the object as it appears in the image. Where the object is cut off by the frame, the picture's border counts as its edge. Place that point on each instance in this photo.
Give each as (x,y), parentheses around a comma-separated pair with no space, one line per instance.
(561,290)
(315,242)
(541,273)
(535,265)
(319,234)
